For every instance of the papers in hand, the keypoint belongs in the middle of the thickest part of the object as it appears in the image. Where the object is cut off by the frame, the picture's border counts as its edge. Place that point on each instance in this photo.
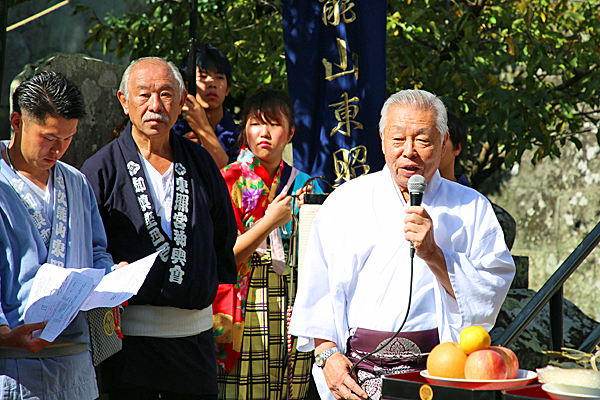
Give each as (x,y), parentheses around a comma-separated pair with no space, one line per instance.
(58,293)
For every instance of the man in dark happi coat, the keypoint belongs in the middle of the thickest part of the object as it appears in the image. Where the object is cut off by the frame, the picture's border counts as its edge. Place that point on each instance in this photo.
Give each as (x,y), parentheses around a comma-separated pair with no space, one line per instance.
(157,191)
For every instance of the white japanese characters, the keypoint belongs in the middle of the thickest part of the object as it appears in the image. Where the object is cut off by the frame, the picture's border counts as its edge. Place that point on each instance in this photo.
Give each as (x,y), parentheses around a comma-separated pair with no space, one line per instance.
(175,248)
(55,239)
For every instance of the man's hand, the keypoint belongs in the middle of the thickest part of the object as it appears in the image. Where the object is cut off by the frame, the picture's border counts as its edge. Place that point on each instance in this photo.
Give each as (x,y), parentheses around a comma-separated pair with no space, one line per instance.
(337,375)
(22,337)
(195,115)
(202,132)
(418,228)
(121,264)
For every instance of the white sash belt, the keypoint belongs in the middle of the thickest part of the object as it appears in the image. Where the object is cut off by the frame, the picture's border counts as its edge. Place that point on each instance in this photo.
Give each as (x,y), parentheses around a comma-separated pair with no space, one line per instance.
(165,322)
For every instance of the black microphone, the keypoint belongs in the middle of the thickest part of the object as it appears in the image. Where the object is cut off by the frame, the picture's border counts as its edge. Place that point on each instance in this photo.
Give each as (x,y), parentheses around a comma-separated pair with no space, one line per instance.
(416,186)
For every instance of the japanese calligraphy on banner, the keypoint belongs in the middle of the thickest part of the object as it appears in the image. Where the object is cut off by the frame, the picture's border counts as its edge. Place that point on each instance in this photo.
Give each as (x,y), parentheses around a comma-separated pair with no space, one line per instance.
(335,58)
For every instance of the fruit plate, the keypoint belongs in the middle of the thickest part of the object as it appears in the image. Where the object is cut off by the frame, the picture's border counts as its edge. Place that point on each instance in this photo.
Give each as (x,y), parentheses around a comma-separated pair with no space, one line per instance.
(524,377)
(566,392)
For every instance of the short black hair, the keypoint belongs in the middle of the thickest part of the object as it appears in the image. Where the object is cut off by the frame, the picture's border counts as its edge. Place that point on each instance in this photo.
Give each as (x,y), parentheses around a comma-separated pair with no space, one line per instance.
(208,58)
(48,93)
(458,132)
(266,105)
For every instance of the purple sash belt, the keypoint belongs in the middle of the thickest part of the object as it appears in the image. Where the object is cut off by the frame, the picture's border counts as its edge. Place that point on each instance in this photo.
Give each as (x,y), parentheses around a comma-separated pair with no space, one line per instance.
(405,353)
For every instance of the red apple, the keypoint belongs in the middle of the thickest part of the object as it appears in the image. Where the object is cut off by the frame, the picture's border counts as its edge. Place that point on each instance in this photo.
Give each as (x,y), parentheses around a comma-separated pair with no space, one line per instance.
(512,363)
(485,365)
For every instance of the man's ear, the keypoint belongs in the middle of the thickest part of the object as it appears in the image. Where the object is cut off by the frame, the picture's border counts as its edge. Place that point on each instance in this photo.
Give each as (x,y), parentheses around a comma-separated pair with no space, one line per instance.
(292,131)
(123,102)
(457,150)
(16,121)
(182,100)
(444,147)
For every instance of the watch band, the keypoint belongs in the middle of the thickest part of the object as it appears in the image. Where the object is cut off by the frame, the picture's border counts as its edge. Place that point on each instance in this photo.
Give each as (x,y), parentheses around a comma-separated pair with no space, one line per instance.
(322,357)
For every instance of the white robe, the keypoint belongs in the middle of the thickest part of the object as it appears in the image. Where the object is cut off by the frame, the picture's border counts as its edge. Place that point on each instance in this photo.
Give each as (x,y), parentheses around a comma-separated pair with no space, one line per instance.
(356,270)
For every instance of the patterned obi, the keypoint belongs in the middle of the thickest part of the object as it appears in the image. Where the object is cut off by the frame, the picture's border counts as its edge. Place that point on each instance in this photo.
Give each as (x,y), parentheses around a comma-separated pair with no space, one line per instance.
(407,352)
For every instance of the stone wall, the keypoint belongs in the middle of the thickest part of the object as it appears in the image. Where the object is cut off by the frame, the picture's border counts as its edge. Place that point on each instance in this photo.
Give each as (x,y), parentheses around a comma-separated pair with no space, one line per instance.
(555,205)
(61,31)
(536,338)
(98,82)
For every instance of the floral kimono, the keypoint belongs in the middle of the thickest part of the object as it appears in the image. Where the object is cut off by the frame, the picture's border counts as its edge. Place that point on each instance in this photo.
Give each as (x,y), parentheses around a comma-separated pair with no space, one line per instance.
(250,316)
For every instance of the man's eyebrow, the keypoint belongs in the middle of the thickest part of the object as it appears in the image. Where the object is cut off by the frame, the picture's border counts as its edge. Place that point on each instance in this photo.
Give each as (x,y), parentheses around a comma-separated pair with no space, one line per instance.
(167,86)
(400,128)
(163,87)
(397,128)
(52,135)
(427,130)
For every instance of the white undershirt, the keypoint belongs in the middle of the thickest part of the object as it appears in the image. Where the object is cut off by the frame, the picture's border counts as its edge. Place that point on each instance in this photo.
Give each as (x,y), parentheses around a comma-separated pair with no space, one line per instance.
(45,197)
(161,188)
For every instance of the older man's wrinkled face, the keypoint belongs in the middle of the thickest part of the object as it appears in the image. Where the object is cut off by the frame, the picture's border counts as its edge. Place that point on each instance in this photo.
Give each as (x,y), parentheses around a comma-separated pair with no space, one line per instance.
(412,144)
(153,102)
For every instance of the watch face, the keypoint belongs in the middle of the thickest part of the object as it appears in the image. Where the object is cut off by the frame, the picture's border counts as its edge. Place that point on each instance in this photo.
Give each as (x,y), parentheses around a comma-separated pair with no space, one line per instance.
(319,361)
(322,357)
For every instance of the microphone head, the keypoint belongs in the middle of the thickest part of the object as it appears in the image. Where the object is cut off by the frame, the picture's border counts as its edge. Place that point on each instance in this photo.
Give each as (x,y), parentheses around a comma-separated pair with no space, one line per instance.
(417,184)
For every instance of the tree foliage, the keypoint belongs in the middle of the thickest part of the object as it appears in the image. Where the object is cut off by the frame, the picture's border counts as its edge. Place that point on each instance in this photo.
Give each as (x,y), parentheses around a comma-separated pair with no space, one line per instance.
(523,74)
(250,33)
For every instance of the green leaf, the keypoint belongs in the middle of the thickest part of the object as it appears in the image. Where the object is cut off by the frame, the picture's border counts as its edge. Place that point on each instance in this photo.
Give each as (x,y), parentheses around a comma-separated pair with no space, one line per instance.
(526,95)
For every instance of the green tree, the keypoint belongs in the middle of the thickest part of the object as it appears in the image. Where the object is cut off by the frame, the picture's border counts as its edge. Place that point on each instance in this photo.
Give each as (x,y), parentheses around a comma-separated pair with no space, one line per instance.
(250,33)
(523,74)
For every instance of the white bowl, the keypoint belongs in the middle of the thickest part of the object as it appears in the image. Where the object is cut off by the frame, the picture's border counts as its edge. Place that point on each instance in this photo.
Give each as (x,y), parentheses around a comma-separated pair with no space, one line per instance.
(565,392)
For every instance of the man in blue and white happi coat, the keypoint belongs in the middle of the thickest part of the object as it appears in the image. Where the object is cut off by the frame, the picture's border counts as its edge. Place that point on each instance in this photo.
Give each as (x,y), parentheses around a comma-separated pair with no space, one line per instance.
(48,214)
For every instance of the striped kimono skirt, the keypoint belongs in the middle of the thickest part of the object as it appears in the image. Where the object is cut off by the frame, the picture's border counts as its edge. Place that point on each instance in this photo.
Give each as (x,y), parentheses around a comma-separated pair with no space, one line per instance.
(261,371)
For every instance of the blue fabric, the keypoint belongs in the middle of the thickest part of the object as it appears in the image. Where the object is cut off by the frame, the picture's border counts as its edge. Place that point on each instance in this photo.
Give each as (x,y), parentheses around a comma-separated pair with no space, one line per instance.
(463,180)
(22,251)
(308,41)
(211,223)
(299,182)
(227,132)
(185,364)
(59,378)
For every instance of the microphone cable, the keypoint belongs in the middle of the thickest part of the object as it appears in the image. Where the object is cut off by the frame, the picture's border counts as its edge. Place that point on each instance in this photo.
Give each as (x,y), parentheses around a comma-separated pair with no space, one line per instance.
(395,334)
(388,341)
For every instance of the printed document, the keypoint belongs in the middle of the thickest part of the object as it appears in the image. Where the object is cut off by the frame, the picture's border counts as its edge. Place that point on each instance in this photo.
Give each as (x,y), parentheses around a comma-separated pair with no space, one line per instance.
(58,293)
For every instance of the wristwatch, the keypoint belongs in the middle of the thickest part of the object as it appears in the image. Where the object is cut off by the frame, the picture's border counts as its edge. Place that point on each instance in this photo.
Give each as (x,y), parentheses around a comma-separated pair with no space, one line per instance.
(322,357)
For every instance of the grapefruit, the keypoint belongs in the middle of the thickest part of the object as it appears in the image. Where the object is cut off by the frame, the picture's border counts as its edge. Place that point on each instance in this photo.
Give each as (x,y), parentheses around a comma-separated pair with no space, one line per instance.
(447,360)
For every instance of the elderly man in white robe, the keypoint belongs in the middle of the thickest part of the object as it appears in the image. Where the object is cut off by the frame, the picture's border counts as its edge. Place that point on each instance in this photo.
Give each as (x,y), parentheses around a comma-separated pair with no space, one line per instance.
(359,285)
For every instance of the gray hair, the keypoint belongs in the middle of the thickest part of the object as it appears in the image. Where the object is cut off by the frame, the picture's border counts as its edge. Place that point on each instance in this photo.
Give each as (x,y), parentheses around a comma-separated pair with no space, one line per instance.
(123,88)
(418,100)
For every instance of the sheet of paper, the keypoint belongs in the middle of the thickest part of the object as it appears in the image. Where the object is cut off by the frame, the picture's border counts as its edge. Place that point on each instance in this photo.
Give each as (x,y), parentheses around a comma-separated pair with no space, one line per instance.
(56,296)
(94,273)
(43,295)
(121,284)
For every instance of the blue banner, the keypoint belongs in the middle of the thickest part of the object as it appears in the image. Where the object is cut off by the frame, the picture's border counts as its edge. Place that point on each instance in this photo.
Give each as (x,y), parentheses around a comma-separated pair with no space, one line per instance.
(335,58)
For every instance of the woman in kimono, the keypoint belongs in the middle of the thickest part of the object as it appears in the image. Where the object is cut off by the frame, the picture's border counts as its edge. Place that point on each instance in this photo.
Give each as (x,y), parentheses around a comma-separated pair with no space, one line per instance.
(250,317)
